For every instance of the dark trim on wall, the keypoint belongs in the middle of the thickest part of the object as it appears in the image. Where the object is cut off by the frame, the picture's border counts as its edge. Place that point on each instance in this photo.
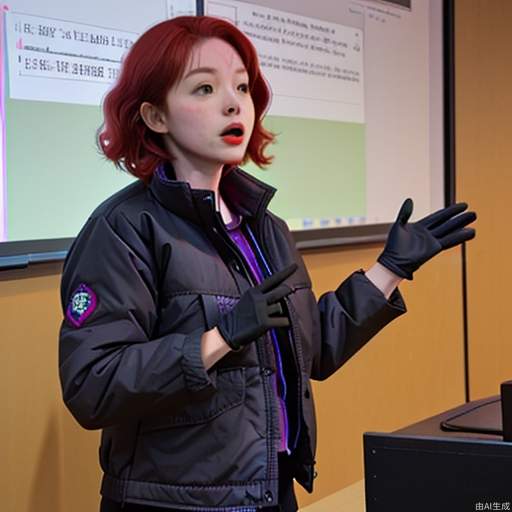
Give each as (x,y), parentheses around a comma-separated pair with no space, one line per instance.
(449,101)
(450,166)
(465,323)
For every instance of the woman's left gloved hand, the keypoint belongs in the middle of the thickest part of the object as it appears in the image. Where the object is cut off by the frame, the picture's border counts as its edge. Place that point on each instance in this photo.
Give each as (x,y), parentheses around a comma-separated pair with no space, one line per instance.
(409,245)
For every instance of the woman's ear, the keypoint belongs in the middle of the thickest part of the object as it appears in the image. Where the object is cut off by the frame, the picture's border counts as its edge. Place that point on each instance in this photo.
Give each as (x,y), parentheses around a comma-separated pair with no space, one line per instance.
(153,117)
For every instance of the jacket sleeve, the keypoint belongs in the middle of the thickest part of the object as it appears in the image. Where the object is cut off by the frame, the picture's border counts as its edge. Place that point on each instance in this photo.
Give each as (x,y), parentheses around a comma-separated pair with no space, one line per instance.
(111,368)
(349,317)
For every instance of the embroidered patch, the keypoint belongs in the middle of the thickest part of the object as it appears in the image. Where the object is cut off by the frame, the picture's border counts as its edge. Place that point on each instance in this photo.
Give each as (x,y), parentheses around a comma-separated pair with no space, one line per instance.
(225,304)
(81,306)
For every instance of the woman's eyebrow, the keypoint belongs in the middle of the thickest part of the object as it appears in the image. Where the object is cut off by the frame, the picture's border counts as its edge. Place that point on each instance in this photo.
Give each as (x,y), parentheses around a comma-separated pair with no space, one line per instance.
(212,71)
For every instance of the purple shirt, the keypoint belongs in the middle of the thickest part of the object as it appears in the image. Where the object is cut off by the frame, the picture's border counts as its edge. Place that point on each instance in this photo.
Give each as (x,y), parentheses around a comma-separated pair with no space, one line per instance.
(278,380)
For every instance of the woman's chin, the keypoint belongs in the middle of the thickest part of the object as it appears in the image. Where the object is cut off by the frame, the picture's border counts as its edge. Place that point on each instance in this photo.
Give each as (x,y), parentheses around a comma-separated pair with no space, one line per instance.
(234,162)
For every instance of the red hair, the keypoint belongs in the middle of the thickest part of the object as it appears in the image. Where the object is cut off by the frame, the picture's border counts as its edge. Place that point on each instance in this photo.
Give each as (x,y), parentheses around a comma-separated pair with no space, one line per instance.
(153,65)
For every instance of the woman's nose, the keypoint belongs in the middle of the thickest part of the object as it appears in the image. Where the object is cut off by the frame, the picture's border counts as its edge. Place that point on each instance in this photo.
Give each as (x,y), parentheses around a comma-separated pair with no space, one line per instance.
(231,108)
(231,104)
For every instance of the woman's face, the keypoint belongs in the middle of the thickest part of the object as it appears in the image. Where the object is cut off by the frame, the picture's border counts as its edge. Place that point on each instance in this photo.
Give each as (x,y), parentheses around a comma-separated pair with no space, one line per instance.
(212,95)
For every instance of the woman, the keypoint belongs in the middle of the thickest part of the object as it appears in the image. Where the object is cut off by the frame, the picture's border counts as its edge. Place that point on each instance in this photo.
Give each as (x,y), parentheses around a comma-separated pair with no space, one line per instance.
(191,330)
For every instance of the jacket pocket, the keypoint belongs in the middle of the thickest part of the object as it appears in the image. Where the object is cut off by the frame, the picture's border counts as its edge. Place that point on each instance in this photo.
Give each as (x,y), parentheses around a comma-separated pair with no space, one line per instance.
(230,392)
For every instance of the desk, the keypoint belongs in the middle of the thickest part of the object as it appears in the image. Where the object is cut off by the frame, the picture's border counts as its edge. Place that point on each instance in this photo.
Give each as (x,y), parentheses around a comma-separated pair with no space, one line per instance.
(425,469)
(348,499)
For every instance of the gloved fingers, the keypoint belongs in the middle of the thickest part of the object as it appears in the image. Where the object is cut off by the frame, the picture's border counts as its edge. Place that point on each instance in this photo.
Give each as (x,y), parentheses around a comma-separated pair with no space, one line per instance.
(405,211)
(457,238)
(435,219)
(455,223)
(278,321)
(274,309)
(277,278)
(277,294)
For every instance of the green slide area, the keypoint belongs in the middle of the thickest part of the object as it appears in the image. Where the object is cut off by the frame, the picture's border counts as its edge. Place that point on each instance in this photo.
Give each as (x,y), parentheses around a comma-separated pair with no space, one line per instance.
(319,169)
(56,177)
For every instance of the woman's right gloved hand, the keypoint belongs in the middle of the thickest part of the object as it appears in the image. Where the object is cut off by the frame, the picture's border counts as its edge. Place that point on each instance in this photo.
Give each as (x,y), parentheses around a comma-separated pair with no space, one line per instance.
(257,311)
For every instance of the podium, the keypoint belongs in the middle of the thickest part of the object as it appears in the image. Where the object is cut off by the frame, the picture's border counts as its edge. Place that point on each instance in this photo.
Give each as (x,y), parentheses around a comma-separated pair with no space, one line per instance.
(456,461)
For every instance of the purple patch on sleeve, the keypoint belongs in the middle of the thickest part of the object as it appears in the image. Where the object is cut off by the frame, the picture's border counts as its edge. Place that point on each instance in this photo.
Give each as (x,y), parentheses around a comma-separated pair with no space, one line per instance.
(81,305)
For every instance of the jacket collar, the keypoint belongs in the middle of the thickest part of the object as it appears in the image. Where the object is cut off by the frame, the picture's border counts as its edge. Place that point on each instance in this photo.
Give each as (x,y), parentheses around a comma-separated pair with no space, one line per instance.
(243,193)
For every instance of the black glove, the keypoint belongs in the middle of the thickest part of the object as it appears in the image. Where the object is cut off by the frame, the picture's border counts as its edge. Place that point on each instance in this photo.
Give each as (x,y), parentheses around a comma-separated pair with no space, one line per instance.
(410,245)
(257,311)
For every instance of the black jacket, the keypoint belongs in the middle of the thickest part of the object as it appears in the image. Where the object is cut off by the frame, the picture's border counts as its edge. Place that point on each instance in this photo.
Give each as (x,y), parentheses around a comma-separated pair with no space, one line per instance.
(154,263)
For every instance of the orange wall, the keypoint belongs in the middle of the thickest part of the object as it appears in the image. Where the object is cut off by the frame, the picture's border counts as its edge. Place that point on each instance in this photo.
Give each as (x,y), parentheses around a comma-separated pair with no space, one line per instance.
(484,162)
(411,370)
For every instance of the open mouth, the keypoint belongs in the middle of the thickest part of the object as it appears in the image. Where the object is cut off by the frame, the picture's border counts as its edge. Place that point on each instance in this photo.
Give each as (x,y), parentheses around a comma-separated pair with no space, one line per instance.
(233,134)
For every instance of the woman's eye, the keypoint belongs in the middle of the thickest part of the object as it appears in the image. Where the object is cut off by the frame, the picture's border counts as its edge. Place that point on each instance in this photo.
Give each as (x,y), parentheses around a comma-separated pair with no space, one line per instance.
(244,87)
(205,89)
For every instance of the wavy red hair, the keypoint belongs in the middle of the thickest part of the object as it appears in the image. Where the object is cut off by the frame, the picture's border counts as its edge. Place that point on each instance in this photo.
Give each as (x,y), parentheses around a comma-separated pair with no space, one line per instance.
(157,61)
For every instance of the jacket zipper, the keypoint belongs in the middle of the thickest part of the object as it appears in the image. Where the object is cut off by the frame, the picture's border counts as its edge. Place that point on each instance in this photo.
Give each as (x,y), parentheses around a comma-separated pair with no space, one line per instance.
(260,349)
(297,353)
(298,365)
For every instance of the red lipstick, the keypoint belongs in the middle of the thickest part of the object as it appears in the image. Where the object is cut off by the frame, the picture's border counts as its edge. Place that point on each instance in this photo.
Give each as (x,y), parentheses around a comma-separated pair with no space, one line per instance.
(233,134)
(234,140)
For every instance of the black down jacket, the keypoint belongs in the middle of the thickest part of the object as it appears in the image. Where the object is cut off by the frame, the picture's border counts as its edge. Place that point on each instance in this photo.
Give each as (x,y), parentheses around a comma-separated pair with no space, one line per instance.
(142,281)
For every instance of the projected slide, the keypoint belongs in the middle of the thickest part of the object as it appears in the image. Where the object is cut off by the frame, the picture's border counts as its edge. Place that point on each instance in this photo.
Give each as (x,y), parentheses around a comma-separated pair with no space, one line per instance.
(62,53)
(66,52)
(315,70)
(356,106)
(3,189)
(59,61)
(323,61)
